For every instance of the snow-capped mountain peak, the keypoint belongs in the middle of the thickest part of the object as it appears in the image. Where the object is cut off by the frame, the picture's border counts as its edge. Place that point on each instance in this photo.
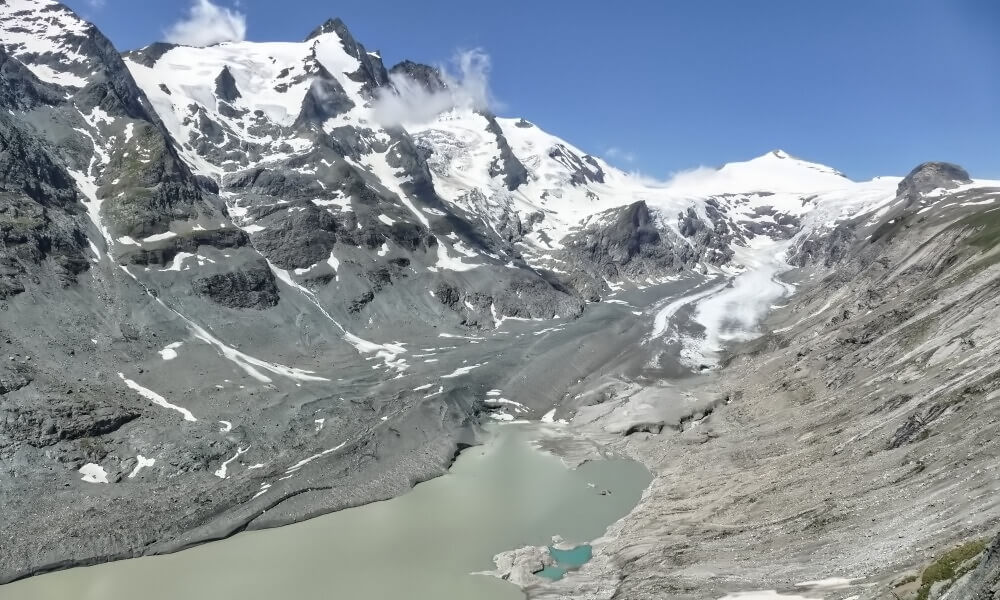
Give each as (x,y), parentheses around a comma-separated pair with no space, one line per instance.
(289,135)
(775,172)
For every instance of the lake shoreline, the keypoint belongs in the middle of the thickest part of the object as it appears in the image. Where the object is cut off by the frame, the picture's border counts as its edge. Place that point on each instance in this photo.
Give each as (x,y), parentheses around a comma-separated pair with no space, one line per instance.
(506,486)
(521,360)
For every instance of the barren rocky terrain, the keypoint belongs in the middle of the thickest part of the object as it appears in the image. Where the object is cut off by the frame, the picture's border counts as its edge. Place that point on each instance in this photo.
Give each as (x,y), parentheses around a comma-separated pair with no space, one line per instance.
(852,444)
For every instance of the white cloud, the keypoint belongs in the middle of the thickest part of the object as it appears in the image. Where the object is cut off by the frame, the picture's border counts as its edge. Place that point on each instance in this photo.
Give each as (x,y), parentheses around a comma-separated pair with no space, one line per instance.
(467,86)
(692,180)
(96,4)
(614,152)
(207,24)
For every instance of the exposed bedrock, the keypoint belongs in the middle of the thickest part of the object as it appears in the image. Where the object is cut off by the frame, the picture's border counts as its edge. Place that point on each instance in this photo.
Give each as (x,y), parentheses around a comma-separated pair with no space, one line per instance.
(627,243)
(252,286)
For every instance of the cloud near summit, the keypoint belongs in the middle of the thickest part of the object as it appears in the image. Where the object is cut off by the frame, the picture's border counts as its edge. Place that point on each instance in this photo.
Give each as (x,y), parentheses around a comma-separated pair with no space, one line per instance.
(206,24)
(466,86)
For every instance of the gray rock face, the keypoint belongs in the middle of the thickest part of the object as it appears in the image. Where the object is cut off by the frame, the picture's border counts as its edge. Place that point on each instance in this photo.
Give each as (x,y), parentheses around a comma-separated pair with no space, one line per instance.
(19,88)
(163,252)
(152,187)
(41,222)
(250,287)
(522,297)
(827,249)
(372,72)
(145,184)
(296,239)
(625,242)
(61,419)
(427,76)
(631,233)
(711,242)
(277,184)
(148,56)
(585,168)
(780,227)
(225,86)
(405,157)
(929,176)
(514,173)
(326,99)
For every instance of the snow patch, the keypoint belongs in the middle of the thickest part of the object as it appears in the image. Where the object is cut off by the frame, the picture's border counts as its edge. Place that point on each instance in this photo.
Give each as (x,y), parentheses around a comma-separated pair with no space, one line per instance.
(291,470)
(221,471)
(169,352)
(445,262)
(93,473)
(461,371)
(830,583)
(160,237)
(156,398)
(177,263)
(141,463)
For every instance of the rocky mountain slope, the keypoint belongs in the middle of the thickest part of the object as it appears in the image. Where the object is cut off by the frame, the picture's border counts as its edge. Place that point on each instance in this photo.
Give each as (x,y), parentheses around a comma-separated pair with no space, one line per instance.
(845,449)
(239,287)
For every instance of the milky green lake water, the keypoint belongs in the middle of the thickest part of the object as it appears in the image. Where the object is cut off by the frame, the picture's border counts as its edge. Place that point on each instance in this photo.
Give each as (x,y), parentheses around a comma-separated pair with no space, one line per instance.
(424,545)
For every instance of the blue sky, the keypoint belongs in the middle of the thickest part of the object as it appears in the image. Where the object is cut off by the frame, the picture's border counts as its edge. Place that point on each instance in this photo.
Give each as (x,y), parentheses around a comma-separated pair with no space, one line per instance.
(868,87)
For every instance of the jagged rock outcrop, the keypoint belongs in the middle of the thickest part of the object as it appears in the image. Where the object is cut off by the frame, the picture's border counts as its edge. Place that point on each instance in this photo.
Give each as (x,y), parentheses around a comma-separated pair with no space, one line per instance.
(64,418)
(20,88)
(522,298)
(225,86)
(150,54)
(41,220)
(506,164)
(325,100)
(427,76)
(371,72)
(296,239)
(250,287)
(825,248)
(584,168)
(930,176)
(627,242)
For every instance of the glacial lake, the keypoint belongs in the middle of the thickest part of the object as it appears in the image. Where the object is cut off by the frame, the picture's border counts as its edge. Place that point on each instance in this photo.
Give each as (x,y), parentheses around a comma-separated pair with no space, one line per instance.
(424,545)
